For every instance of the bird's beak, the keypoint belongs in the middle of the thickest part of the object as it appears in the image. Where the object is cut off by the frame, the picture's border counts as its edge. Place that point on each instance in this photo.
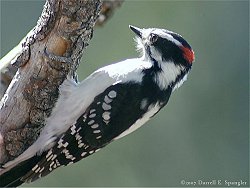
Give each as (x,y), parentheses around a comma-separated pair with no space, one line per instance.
(136,30)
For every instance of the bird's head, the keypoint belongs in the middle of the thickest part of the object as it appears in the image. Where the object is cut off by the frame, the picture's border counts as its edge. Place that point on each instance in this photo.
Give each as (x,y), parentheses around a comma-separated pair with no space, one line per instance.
(161,45)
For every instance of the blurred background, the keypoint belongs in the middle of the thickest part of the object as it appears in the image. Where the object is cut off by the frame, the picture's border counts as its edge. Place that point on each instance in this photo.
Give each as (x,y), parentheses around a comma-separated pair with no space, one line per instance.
(203,132)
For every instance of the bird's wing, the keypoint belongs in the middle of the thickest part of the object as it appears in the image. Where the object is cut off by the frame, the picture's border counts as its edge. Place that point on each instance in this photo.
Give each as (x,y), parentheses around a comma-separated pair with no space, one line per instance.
(111,113)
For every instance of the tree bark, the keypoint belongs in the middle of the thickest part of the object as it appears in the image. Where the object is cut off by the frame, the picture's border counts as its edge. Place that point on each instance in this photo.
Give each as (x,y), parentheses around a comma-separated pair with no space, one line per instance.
(8,71)
(50,52)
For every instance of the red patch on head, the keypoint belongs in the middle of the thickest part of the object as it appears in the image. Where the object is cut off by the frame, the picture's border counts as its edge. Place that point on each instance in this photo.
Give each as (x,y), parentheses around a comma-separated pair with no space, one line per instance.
(188,54)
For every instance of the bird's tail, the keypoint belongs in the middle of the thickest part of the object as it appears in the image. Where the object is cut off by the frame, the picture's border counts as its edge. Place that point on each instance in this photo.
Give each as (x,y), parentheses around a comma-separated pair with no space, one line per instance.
(13,177)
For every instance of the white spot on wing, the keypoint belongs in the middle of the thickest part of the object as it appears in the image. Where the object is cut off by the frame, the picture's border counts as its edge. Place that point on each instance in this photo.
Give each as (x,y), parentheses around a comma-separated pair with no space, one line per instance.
(107,99)
(78,136)
(96,131)
(54,166)
(83,154)
(94,126)
(92,115)
(112,94)
(68,155)
(61,144)
(98,137)
(84,118)
(79,129)
(51,164)
(106,116)
(57,163)
(50,157)
(80,145)
(50,152)
(73,129)
(37,170)
(35,167)
(54,156)
(92,110)
(106,106)
(91,122)
(144,103)
(41,169)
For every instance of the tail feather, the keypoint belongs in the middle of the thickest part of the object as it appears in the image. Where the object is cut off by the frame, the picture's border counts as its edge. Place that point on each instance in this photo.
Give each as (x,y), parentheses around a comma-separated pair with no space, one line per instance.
(13,177)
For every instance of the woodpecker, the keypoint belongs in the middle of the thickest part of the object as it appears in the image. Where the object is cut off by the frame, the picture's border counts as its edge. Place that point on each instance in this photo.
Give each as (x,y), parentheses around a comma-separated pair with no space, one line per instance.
(110,103)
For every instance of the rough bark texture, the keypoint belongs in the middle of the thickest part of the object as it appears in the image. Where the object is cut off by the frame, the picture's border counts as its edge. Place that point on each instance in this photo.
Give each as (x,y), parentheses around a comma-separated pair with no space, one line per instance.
(50,51)
(42,60)
(8,70)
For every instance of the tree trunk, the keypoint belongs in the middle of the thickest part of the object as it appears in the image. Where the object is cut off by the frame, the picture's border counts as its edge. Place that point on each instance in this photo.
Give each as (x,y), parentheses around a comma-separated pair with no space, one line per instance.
(50,52)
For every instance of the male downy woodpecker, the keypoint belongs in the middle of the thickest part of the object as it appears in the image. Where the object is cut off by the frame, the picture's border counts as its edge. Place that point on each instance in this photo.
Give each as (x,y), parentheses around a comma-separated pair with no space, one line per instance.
(109,104)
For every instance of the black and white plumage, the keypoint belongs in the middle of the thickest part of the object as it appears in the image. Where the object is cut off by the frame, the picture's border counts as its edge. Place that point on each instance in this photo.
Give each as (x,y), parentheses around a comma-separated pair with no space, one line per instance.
(109,104)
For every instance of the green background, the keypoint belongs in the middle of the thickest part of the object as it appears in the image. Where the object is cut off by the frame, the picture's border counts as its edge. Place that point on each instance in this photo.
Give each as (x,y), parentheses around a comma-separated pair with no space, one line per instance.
(203,132)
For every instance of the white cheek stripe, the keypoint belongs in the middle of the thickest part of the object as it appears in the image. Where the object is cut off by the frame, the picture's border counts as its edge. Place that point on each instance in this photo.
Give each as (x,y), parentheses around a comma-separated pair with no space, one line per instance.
(168,74)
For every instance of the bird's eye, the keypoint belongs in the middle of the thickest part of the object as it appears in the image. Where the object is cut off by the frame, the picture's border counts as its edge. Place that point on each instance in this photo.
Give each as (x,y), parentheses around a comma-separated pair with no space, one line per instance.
(153,38)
